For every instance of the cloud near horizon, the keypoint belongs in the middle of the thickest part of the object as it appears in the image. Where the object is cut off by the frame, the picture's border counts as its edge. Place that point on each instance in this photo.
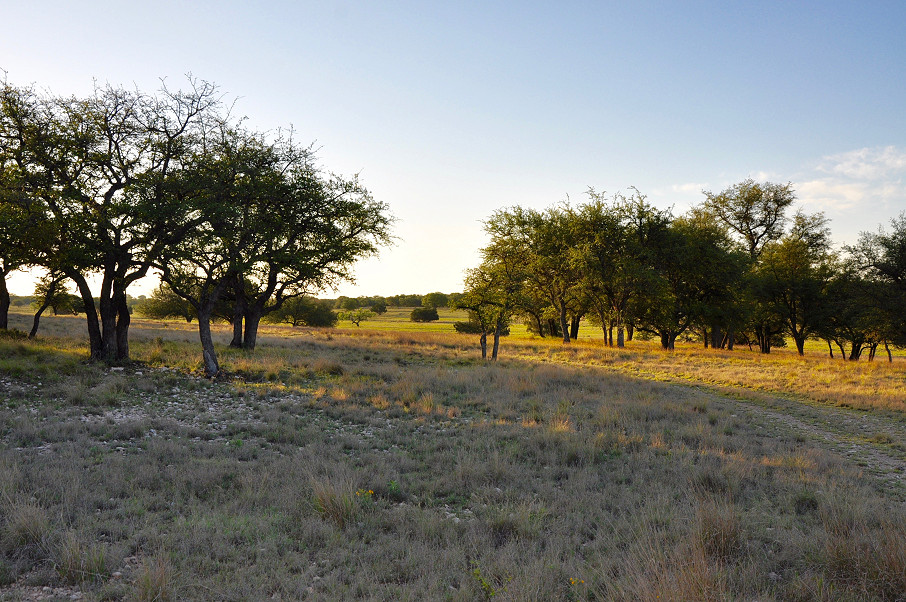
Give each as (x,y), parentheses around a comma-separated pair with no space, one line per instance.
(872,179)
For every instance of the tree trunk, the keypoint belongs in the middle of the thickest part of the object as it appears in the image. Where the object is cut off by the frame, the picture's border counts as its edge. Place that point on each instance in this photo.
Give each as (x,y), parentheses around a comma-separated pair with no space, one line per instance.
(496,347)
(706,336)
(123,319)
(620,340)
(239,311)
(630,331)
(842,350)
(717,337)
(800,344)
(871,351)
(209,355)
(252,320)
(4,302)
(237,328)
(552,327)
(764,339)
(574,327)
(610,333)
(830,348)
(483,341)
(564,325)
(731,339)
(889,355)
(108,324)
(667,340)
(37,320)
(96,342)
(540,326)
(855,352)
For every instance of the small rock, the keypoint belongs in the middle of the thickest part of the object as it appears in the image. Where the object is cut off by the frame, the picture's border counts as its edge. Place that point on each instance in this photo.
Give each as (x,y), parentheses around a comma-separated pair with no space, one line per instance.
(116,574)
(775,577)
(117,369)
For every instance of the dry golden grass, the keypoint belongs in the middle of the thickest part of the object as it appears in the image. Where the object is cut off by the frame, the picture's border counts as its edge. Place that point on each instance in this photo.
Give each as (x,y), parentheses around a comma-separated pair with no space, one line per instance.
(359,464)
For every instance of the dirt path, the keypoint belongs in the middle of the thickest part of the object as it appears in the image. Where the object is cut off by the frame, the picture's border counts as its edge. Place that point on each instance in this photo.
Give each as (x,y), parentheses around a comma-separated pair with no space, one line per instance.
(873,441)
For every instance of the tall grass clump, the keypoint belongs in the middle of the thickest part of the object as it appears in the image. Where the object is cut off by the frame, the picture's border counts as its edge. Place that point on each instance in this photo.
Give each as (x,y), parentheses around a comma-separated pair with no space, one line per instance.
(77,562)
(154,581)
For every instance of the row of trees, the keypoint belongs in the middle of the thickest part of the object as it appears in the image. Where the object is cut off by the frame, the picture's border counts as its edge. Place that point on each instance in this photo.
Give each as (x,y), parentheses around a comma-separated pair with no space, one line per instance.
(737,269)
(298,311)
(119,183)
(435,300)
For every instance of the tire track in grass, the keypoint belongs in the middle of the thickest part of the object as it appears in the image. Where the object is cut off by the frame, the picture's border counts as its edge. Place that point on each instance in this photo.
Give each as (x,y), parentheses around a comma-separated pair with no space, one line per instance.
(874,442)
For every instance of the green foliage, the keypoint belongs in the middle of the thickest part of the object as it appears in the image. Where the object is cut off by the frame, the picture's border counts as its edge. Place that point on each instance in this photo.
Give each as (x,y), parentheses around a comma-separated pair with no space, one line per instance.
(470,327)
(424,314)
(304,311)
(405,300)
(752,210)
(434,300)
(357,316)
(163,304)
(111,152)
(50,292)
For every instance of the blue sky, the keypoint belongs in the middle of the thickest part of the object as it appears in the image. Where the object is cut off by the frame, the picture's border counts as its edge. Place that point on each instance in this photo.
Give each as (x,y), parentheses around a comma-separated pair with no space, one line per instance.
(450,110)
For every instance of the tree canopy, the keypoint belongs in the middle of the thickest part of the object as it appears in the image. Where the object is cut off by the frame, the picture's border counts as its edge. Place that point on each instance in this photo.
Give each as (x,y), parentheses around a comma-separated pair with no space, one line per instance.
(121,182)
(734,268)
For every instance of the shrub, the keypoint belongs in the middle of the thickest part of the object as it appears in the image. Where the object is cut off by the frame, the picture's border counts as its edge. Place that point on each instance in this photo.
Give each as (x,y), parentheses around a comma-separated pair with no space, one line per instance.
(467,327)
(306,311)
(424,314)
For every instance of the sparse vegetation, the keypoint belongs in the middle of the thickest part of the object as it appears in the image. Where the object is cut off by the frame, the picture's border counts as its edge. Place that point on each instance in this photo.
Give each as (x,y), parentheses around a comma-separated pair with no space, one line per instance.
(358,464)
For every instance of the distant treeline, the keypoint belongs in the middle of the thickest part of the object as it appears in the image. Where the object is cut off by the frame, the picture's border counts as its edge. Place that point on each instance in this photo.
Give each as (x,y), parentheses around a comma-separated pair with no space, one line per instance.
(435,299)
(297,311)
(34,301)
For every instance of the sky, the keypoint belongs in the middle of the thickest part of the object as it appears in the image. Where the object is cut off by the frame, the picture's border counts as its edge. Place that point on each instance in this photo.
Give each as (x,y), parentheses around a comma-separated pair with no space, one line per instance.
(449,111)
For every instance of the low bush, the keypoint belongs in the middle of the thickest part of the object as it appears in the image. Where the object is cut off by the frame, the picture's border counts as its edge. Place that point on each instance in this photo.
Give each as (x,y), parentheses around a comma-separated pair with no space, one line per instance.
(424,314)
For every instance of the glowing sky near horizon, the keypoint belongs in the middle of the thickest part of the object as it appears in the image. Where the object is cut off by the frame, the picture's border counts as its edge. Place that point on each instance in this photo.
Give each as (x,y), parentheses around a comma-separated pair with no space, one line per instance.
(450,110)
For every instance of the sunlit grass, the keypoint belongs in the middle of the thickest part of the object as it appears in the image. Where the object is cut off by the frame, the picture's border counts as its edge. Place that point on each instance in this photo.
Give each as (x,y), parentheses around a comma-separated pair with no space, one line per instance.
(394,464)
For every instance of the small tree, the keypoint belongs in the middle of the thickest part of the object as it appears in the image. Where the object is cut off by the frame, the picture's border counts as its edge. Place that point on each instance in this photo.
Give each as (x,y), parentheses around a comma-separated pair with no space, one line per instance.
(357,316)
(163,304)
(379,308)
(50,292)
(424,314)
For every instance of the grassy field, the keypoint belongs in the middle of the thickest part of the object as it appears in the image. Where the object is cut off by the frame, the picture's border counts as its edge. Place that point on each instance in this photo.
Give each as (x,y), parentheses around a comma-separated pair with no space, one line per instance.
(386,463)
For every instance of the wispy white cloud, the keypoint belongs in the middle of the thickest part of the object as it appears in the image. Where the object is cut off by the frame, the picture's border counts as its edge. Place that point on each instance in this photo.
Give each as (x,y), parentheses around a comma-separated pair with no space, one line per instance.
(827,194)
(766,176)
(866,163)
(689,188)
(871,180)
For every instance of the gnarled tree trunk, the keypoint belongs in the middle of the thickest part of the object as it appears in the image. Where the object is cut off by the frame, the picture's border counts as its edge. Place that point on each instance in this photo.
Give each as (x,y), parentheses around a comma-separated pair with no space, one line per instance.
(95,341)
(208,354)
(4,301)
(123,319)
